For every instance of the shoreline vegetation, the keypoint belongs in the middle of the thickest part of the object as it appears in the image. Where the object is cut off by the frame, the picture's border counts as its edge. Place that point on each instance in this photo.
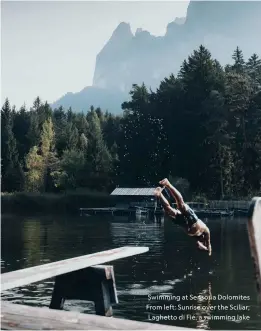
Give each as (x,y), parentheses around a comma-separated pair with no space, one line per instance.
(25,203)
(47,203)
(200,128)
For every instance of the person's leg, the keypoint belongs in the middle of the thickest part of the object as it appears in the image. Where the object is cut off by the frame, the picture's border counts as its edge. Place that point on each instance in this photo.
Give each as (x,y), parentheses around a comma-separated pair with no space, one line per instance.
(168,209)
(174,192)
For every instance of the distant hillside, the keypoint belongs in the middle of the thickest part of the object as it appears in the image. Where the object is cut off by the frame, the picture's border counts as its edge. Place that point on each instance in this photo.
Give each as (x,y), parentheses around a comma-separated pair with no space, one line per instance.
(126,58)
(106,99)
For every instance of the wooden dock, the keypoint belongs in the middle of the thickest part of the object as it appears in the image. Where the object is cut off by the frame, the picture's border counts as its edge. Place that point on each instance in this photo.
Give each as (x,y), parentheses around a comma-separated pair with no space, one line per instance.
(109,210)
(150,212)
(88,280)
(19,317)
(210,209)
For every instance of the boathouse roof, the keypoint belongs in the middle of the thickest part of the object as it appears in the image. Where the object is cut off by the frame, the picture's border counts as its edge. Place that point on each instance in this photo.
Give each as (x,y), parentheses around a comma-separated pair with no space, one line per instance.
(143,191)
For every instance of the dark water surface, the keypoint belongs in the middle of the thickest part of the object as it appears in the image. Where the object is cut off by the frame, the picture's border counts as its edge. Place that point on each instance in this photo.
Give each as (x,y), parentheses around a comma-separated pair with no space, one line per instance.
(172,266)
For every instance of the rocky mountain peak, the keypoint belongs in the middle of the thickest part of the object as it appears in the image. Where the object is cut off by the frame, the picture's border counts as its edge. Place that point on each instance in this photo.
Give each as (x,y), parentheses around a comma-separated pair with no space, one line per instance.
(123,30)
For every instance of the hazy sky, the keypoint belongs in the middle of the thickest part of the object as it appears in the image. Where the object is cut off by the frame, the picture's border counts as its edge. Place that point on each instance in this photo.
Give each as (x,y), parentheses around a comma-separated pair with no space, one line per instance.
(49,48)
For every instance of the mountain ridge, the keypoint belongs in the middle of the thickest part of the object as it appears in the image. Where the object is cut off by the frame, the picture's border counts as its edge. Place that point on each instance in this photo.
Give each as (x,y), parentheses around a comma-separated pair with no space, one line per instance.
(129,58)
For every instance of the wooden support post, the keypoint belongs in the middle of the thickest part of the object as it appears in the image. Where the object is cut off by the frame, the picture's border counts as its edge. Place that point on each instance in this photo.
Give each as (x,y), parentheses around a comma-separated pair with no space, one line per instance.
(57,301)
(102,300)
(254,233)
(105,294)
(95,284)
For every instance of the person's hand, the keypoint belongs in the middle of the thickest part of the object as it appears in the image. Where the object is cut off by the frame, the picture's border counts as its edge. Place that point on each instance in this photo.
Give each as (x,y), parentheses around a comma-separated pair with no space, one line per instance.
(157,191)
(209,249)
(164,182)
(201,246)
(205,244)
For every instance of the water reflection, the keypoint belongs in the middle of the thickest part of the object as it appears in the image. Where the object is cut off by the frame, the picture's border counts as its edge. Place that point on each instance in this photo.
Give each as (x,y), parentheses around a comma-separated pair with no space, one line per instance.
(172,266)
(204,312)
(32,239)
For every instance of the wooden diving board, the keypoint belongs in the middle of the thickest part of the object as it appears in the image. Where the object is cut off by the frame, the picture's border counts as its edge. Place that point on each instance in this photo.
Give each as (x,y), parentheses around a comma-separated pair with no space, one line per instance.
(254,232)
(27,276)
(20,317)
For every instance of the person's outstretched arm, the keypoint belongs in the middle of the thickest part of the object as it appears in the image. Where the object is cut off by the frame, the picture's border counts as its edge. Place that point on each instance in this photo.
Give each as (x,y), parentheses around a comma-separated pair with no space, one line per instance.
(175,193)
(208,243)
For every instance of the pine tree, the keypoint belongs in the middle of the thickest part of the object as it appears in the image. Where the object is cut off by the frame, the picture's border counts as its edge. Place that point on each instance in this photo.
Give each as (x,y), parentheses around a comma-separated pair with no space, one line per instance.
(100,115)
(253,67)
(83,143)
(70,171)
(72,136)
(239,62)
(47,138)
(37,104)
(34,132)
(134,146)
(43,110)
(60,124)
(200,75)
(111,129)
(98,155)
(70,115)
(11,169)
(21,129)
(34,176)
(167,127)
(238,99)
(81,124)
(47,151)
(218,140)
(41,160)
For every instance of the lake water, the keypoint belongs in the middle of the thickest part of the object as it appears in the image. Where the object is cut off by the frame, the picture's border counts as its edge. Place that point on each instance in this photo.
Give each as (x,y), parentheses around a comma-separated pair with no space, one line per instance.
(172,266)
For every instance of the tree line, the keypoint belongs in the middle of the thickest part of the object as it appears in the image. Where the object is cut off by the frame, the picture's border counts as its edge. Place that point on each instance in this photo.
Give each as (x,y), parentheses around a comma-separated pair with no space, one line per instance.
(201,128)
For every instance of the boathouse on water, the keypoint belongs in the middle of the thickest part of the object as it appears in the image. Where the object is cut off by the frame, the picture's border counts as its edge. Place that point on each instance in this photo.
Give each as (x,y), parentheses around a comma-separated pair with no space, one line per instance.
(143,197)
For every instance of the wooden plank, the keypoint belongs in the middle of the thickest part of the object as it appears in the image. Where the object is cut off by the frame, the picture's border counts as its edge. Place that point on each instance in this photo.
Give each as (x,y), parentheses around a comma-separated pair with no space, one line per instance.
(254,232)
(35,274)
(19,317)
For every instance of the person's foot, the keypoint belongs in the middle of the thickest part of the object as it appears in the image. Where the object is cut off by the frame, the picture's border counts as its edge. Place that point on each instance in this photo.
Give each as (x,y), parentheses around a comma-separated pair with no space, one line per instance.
(164,182)
(157,191)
